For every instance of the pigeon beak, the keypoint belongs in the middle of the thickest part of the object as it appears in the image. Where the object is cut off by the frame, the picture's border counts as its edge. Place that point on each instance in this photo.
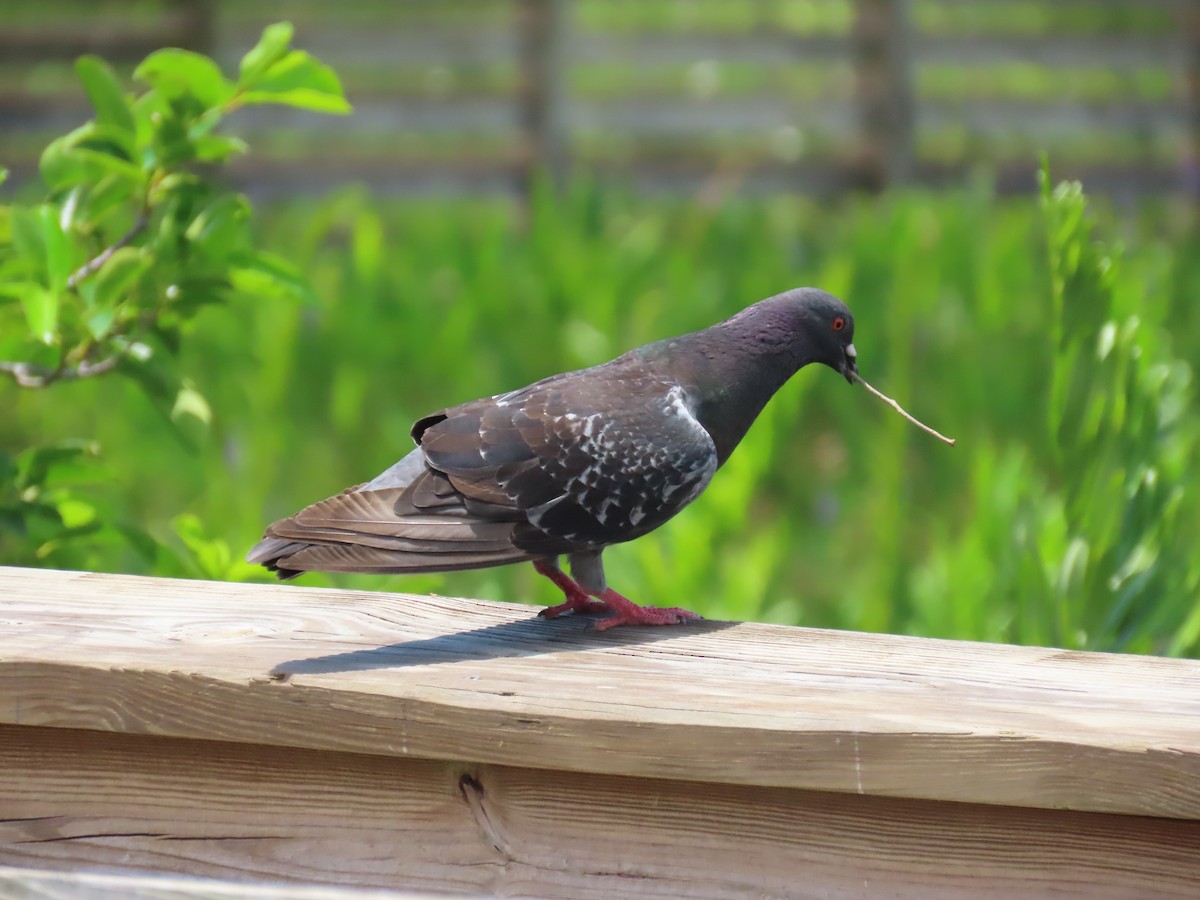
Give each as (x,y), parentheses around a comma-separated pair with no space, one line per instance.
(850,364)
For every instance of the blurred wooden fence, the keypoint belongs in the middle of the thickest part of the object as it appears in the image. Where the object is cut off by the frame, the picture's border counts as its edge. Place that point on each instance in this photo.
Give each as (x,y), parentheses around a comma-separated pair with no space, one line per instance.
(668,95)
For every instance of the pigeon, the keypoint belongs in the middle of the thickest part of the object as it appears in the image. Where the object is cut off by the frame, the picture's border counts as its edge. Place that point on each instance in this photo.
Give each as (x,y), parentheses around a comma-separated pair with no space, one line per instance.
(572,463)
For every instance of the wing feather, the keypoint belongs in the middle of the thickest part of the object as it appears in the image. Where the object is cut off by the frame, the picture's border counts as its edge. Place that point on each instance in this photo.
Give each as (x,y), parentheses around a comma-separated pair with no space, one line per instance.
(574,462)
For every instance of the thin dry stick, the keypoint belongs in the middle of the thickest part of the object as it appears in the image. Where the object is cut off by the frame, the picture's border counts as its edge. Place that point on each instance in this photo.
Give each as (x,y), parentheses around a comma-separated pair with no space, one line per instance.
(93,265)
(29,375)
(898,408)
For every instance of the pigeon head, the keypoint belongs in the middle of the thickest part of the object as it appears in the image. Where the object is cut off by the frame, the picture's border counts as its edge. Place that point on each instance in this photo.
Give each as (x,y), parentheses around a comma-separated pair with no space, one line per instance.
(793,329)
(733,368)
(828,330)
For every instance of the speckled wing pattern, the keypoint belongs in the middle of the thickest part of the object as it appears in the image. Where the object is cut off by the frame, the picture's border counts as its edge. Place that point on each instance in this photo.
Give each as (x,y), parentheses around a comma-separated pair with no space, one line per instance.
(588,461)
(573,462)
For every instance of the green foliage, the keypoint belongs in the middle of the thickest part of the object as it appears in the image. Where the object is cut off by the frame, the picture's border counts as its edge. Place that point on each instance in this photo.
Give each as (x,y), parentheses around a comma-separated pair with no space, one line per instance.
(834,511)
(1066,515)
(38,503)
(131,241)
(1085,530)
(1118,420)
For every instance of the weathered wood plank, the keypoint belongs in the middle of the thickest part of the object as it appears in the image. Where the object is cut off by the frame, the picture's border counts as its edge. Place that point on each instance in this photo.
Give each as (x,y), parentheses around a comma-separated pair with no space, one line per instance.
(86,800)
(440,678)
(38,884)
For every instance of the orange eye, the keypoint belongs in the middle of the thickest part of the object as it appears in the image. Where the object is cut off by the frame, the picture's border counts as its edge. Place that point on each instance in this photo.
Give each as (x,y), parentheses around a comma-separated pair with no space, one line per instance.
(839,323)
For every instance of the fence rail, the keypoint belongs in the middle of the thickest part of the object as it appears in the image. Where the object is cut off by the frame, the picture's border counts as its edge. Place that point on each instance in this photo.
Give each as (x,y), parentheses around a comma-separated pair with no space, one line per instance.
(333,738)
(873,91)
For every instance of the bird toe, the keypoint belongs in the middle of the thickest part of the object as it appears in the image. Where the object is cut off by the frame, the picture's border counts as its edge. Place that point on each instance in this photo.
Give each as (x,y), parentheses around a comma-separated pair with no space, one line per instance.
(647,615)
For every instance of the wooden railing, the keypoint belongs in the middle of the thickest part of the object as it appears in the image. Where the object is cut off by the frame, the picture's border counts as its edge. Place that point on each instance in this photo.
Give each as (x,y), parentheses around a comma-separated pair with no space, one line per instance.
(295,736)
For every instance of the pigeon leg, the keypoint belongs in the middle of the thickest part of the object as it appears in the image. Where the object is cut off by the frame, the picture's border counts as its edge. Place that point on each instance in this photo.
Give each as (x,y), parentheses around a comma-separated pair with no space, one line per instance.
(577,599)
(626,612)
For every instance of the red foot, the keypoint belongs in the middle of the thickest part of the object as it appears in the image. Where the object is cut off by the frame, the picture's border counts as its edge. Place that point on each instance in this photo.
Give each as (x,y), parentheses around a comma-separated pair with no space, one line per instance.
(582,607)
(626,612)
(577,600)
(622,610)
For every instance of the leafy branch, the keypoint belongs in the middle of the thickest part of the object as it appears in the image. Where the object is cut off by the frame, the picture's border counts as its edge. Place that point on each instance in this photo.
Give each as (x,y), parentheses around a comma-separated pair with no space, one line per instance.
(130,243)
(131,240)
(31,375)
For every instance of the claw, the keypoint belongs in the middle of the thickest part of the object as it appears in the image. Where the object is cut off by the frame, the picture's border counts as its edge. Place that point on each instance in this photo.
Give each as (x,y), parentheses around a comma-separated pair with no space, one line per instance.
(579,606)
(626,612)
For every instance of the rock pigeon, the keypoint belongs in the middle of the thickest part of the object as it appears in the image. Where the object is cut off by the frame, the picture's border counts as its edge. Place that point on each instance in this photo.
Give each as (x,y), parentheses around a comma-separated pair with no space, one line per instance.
(571,463)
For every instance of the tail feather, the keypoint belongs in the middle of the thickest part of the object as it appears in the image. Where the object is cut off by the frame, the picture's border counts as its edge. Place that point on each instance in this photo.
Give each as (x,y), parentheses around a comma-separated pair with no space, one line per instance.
(270,549)
(422,526)
(390,512)
(374,560)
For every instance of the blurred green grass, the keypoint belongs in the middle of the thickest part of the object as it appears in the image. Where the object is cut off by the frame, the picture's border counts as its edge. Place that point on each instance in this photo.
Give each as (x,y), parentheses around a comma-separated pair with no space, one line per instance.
(834,512)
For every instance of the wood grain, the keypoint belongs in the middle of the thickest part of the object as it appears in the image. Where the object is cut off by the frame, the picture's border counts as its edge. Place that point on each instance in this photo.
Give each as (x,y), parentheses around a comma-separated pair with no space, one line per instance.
(86,800)
(38,884)
(435,678)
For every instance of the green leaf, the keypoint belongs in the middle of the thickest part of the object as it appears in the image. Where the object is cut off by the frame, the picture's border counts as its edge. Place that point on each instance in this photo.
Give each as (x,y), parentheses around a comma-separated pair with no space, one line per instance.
(178,73)
(300,98)
(74,512)
(99,322)
(270,48)
(35,465)
(264,274)
(3,174)
(217,148)
(85,156)
(103,137)
(148,112)
(220,226)
(176,185)
(105,93)
(58,248)
(64,167)
(190,403)
(171,144)
(41,312)
(27,237)
(210,556)
(110,287)
(302,81)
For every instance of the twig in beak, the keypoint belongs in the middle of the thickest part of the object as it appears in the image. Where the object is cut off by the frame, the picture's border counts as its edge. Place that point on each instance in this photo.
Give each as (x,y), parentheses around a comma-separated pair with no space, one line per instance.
(898,408)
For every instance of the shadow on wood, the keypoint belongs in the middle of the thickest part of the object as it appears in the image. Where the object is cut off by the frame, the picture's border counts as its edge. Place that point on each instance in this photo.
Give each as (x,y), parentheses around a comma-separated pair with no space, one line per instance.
(507,640)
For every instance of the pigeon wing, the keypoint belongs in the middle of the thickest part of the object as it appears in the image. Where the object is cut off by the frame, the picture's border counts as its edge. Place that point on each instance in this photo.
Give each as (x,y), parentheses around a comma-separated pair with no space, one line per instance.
(587,461)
